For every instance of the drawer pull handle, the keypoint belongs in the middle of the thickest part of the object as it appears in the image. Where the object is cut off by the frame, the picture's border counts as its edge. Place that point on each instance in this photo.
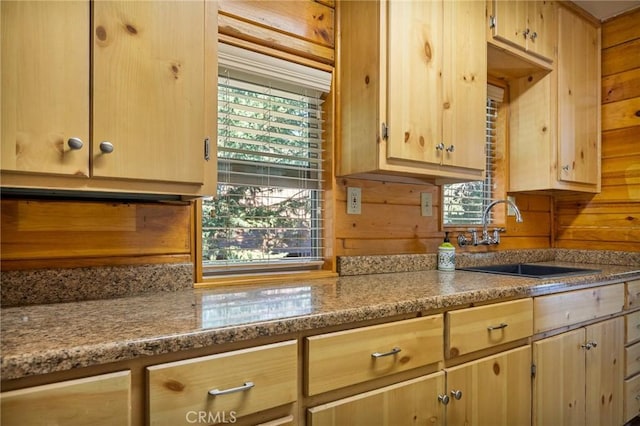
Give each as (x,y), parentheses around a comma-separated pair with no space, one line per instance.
(497,327)
(381,354)
(246,386)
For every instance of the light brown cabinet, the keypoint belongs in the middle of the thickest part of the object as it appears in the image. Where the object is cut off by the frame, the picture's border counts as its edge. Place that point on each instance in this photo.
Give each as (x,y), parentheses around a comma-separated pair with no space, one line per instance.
(412,98)
(495,390)
(526,25)
(555,117)
(579,376)
(410,402)
(631,405)
(131,117)
(228,385)
(98,400)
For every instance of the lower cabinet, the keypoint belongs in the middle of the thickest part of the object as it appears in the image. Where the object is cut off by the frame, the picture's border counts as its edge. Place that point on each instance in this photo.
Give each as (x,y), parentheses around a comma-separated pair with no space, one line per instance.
(495,390)
(579,376)
(223,387)
(98,400)
(413,402)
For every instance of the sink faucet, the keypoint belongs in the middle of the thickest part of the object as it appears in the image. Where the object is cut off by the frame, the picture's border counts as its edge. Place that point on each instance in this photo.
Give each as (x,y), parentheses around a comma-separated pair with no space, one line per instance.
(486,239)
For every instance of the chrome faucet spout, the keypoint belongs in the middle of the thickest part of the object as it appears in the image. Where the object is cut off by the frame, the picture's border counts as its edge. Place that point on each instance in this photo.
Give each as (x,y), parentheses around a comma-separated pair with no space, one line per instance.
(486,240)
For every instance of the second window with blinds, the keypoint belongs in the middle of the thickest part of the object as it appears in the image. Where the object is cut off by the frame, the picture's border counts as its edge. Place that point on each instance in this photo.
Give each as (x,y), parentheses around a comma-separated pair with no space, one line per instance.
(464,203)
(268,211)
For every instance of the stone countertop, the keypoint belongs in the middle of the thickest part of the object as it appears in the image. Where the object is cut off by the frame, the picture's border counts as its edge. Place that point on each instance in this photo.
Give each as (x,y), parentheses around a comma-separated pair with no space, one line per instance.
(40,339)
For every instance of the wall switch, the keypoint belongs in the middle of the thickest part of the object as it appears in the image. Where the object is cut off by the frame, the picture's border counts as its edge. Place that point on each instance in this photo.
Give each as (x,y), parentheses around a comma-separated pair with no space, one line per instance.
(510,210)
(426,204)
(354,200)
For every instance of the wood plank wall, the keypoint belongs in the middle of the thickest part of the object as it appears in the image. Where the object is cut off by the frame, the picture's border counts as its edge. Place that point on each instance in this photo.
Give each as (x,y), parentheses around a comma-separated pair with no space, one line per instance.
(611,220)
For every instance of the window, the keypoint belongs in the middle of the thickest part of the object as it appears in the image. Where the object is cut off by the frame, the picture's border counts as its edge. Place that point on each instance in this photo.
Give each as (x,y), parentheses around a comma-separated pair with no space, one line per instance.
(268,211)
(465,202)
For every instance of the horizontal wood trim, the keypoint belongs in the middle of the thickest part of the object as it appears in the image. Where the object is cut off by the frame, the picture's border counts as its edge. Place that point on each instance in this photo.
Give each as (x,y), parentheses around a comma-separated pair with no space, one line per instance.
(621,114)
(570,208)
(617,142)
(47,229)
(624,85)
(602,220)
(28,264)
(380,192)
(273,39)
(390,221)
(621,58)
(622,235)
(597,245)
(286,17)
(622,29)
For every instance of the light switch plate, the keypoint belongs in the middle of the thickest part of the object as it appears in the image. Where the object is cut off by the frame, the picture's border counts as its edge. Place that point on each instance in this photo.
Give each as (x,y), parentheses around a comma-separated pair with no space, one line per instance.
(426,204)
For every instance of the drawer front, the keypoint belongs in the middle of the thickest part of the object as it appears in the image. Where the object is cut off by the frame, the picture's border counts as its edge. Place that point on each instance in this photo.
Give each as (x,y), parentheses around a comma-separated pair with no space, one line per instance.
(631,398)
(633,295)
(472,329)
(99,400)
(632,357)
(344,358)
(244,382)
(560,310)
(632,327)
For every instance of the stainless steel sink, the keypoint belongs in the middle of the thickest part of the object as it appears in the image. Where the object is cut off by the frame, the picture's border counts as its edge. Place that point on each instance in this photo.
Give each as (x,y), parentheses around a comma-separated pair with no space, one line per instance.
(531,270)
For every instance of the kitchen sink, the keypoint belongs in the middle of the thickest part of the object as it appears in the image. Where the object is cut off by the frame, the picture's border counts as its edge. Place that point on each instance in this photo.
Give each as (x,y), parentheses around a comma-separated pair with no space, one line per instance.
(531,270)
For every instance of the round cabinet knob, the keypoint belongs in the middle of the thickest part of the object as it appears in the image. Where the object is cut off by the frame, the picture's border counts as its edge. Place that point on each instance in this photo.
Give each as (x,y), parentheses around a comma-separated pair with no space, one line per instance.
(444,399)
(106,147)
(440,146)
(533,35)
(75,143)
(457,394)
(450,148)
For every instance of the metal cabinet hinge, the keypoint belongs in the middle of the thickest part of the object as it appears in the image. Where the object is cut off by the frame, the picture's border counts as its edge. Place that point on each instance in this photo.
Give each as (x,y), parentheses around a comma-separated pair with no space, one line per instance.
(492,21)
(385,131)
(207,149)
(533,370)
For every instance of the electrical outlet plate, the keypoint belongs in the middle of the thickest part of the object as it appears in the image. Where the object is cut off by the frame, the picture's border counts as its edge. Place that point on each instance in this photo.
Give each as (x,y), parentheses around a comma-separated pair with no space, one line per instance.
(354,200)
(510,210)
(426,204)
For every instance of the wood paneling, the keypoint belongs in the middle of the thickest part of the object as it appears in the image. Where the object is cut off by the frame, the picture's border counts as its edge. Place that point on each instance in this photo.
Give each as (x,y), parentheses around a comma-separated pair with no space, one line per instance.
(610,220)
(78,233)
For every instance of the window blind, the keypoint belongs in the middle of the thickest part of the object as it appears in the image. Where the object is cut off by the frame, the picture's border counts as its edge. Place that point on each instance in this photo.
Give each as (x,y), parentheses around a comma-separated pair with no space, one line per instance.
(268,212)
(464,203)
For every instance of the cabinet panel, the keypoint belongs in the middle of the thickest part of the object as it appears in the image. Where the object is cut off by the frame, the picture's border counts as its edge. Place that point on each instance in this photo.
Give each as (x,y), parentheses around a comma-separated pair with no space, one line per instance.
(482,327)
(406,403)
(632,300)
(343,358)
(632,360)
(510,21)
(148,90)
(493,391)
(578,100)
(605,372)
(559,310)
(179,387)
(631,398)
(100,400)
(559,383)
(542,22)
(632,327)
(45,86)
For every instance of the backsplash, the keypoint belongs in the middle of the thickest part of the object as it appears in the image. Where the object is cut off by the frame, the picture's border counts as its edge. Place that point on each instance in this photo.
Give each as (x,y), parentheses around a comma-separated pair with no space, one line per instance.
(69,285)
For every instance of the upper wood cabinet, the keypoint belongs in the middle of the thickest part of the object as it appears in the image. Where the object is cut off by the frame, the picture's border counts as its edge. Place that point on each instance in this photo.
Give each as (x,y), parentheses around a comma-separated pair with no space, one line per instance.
(527,25)
(412,97)
(136,123)
(555,117)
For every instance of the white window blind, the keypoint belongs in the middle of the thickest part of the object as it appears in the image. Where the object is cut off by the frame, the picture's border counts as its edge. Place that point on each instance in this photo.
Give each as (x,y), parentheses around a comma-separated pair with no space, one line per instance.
(464,203)
(268,212)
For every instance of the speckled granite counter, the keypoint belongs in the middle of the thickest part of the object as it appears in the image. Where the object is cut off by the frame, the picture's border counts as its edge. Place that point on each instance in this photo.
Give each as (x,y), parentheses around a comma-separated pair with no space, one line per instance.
(40,339)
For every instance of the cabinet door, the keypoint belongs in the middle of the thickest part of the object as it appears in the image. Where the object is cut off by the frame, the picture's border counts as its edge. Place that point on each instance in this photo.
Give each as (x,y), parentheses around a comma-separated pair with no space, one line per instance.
(99,400)
(464,85)
(148,90)
(45,86)
(415,61)
(605,372)
(492,391)
(406,403)
(542,22)
(510,21)
(578,100)
(559,381)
